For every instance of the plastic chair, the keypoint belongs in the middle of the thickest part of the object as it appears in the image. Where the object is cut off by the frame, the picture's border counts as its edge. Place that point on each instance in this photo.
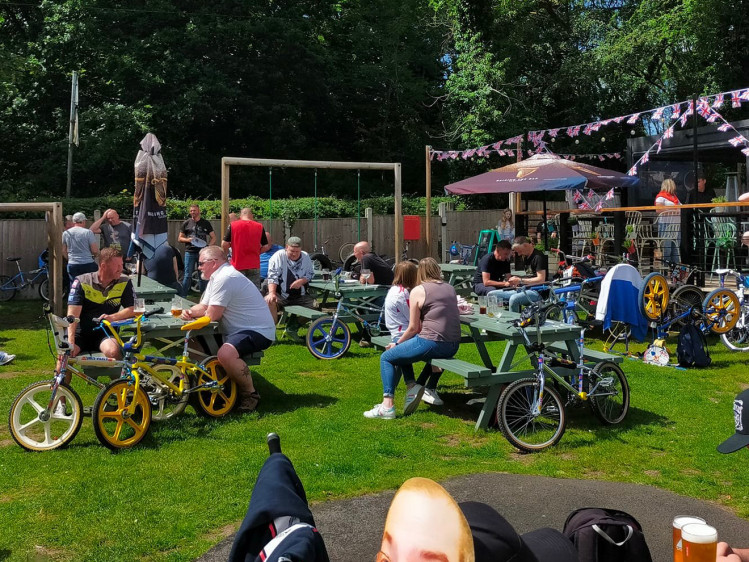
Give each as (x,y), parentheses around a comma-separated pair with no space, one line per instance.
(723,238)
(582,237)
(663,232)
(631,229)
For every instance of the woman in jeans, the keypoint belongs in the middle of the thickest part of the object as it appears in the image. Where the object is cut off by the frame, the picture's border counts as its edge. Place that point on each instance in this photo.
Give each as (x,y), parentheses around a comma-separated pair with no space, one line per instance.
(433,333)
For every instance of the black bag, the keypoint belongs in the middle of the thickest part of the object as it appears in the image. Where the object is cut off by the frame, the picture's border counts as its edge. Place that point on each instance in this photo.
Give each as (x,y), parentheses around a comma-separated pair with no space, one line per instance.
(692,347)
(606,535)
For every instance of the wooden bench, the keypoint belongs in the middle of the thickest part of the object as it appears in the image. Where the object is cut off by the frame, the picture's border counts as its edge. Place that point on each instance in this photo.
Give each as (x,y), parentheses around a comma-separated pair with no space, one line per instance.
(463,368)
(591,355)
(302,311)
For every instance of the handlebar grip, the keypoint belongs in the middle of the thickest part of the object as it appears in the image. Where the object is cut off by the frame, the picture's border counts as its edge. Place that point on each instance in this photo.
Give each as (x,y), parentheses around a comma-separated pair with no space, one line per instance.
(70,319)
(154,311)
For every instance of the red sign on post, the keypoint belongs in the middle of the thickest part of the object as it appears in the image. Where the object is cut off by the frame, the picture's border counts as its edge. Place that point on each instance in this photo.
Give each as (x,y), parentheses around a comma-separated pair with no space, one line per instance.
(411,227)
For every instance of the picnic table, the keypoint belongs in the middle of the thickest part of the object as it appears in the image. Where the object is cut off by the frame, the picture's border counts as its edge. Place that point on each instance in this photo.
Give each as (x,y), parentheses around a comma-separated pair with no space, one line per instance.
(151,290)
(460,276)
(355,297)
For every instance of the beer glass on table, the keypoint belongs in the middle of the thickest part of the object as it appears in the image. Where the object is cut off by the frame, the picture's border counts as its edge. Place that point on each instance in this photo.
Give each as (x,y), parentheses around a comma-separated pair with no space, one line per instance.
(482,304)
(326,275)
(365,274)
(140,306)
(699,542)
(177,307)
(678,523)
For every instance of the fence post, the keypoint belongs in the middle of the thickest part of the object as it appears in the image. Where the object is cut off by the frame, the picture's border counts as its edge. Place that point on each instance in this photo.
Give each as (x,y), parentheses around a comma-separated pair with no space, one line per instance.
(444,207)
(368,213)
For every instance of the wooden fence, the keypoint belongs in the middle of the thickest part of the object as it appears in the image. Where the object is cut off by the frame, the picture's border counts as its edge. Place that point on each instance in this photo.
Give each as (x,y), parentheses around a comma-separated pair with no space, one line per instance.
(27,238)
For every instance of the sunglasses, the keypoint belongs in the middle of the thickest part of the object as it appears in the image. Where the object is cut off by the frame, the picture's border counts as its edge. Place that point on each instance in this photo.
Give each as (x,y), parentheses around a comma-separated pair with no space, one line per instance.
(202,263)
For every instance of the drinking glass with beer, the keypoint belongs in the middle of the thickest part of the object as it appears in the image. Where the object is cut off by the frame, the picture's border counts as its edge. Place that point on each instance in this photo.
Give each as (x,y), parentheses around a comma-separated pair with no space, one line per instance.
(140,306)
(176,307)
(699,542)
(679,522)
(482,304)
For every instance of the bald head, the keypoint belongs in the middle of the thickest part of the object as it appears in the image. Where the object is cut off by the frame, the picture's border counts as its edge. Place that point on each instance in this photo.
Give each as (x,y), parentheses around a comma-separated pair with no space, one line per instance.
(362,249)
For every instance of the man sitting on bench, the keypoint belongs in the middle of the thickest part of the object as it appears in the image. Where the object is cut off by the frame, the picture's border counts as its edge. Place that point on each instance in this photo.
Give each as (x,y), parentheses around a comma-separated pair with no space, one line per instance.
(289,273)
(234,300)
(538,264)
(493,271)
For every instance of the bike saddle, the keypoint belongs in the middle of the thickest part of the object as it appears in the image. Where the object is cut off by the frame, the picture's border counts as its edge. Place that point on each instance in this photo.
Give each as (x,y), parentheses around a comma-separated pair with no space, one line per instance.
(201,322)
(718,271)
(12,259)
(590,324)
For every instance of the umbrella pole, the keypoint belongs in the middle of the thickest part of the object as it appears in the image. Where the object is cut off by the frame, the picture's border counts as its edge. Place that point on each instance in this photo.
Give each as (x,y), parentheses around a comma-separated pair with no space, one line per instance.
(546,223)
(138,267)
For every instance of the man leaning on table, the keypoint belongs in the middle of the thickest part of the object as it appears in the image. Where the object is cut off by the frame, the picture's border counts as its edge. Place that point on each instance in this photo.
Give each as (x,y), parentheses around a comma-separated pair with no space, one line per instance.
(538,263)
(493,272)
(233,300)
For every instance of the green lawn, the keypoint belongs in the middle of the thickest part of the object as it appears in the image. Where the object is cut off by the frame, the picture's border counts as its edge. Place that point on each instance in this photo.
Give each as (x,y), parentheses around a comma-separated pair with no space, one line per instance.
(187,485)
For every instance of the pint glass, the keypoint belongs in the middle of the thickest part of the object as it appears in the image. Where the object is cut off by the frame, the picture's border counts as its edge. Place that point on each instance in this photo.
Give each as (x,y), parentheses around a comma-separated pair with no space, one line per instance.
(699,542)
(679,522)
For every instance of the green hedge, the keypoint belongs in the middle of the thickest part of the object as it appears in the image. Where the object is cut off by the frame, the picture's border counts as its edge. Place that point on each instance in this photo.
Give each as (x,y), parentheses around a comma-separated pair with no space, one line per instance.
(289,209)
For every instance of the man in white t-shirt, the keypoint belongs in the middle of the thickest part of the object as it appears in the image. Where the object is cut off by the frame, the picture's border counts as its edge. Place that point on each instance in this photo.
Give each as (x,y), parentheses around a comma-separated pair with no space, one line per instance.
(233,300)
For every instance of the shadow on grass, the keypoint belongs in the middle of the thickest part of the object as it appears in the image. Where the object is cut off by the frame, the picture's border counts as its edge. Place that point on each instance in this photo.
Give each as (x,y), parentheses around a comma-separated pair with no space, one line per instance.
(276,401)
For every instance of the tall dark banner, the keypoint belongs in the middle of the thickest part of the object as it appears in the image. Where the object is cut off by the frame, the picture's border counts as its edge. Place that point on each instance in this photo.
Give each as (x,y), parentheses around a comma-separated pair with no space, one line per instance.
(149,203)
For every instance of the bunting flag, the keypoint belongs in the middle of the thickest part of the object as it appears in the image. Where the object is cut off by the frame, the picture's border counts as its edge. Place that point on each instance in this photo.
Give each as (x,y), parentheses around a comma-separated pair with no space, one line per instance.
(658,144)
(633,119)
(744,95)
(736,141)
(645,157)
(618,119)
(588,129)
(632,171)
(497,144)
(669,132)
(591,194)
(745,151)
(658,113)
(584,206)
(554,132)
(675,111)
(577,196)
(610,194)
(735,99)
(724,127)
(599,206)
(718,101)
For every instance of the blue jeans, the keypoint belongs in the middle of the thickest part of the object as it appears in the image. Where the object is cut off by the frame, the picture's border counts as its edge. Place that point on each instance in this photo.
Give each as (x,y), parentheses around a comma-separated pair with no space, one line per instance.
(191,262)
(516,298)
(76,269)
(404,355)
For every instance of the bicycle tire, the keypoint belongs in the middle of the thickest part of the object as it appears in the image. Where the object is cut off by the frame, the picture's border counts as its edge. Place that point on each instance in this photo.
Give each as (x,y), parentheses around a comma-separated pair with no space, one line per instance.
(195,281)
(722,308)
(349,263)
(653,296)
(737,338)
(345,251)
(8,288)
(328,338)
(44,289)
(214,403)
(682,299)
(165,403)
(610,409)
(34,434)
(518,424)
(320,262)
(113,429)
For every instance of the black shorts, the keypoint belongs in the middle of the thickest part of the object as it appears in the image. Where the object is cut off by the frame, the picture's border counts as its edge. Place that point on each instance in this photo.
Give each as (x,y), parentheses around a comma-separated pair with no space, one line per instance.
(89,341)
(248,341)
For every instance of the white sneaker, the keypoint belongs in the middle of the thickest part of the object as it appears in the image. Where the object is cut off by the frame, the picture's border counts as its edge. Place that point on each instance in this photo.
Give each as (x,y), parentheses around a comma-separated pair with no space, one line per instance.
(413,398)
(60,409)
(6,358)
(379,411)
(431,397)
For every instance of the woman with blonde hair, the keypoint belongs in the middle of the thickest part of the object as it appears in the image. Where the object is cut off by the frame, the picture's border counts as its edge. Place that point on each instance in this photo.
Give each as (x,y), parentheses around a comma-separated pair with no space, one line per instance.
(667,198)
(506,226)
(433,333)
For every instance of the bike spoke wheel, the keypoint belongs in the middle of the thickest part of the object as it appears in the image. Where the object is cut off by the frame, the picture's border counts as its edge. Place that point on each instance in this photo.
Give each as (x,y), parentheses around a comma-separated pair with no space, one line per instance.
(654,296)
(345,251)
(165,402)
(682,300)
(328,338)
(36,429)
(737,338)
(218,401)
(122,416)
(527,427)
(7,288)
(722,309)
(44,290)
(610,400)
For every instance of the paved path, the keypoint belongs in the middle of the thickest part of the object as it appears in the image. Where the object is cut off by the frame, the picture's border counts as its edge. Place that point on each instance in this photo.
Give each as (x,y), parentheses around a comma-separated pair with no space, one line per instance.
(352,528)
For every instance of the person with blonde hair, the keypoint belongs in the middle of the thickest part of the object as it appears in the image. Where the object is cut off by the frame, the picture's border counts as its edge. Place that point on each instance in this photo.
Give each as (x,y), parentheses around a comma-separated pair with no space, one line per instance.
(667,198)
(433,333)
(506,226)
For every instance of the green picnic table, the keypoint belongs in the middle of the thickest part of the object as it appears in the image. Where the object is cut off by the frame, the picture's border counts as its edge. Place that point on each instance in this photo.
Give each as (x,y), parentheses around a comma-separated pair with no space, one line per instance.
(461,276)
(151,290)
(354,297)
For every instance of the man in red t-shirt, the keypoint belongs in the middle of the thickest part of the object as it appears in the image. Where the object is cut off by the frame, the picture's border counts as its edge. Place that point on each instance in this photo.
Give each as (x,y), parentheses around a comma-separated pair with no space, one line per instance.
(247,241)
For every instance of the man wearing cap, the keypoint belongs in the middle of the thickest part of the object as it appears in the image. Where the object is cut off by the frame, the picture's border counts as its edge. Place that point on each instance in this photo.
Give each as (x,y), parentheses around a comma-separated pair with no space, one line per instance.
(114,232)
(195,233)
(230,298)
(247,241)
(79,247)
(289,273)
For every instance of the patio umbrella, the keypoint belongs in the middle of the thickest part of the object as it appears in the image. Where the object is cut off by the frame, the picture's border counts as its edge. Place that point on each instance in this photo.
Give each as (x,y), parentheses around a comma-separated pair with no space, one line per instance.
(149,202)
(541,172)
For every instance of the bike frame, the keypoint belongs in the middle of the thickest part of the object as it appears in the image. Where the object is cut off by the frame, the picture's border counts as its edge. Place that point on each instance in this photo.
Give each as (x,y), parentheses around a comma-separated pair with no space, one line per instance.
(39,275)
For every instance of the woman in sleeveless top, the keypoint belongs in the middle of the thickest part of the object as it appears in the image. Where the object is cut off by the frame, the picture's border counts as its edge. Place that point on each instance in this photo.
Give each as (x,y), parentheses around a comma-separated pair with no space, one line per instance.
(433,333)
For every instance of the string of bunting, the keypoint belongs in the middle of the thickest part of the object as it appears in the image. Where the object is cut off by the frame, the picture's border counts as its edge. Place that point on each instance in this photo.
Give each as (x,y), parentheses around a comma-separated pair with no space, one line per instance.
(679,112)
(707,111)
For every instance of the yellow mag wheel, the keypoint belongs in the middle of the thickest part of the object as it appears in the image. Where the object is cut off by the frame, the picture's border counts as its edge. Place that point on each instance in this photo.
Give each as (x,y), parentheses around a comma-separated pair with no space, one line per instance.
(654,296)
(214,402)
(722,309)
(121,416)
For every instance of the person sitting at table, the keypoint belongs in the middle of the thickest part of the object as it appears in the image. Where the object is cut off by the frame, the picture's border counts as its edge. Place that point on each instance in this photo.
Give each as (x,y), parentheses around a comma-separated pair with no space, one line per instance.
(433,332)
(234,300)
(267,255)
(105,294)
(506,226)
(289,273)
(493,268)
(163,268)
(538,263)
(381,272)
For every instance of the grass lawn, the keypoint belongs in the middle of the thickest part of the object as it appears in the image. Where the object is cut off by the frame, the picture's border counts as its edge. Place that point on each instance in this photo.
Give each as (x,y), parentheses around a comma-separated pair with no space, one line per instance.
(187,485)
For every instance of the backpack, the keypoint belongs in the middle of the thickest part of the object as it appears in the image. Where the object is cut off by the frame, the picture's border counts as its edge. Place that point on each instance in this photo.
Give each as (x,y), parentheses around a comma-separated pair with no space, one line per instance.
(692,348)
(606,535)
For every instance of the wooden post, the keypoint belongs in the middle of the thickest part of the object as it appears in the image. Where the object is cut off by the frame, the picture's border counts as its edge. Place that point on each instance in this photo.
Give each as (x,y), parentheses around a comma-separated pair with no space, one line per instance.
(428,213)
(368,214)
(398,213)
(443,208)
(55,272)
(225,197)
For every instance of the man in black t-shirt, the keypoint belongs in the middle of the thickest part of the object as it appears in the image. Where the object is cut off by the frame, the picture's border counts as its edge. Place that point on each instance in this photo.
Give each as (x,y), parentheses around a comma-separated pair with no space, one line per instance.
(195,233)
(381,272)
(493,271)
(538,263)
